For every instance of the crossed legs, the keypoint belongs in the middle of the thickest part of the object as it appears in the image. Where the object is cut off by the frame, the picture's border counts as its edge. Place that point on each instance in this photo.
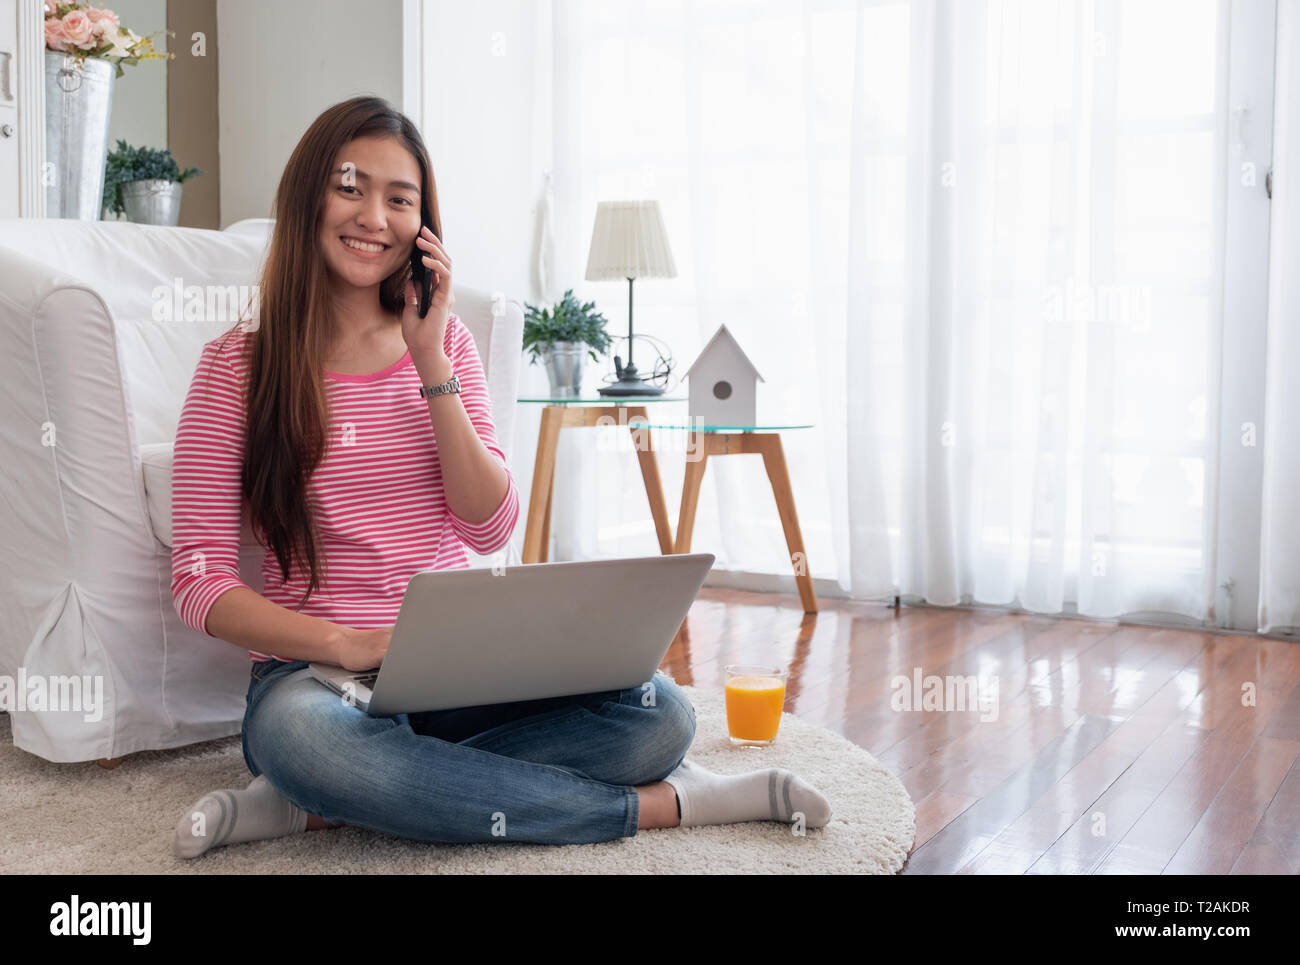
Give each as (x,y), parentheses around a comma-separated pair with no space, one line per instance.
(577,769)
(561,770)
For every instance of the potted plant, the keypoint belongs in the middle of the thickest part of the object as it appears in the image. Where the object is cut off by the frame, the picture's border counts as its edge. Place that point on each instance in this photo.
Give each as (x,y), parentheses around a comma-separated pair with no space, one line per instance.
(85,48)
(562,334)
(145,184)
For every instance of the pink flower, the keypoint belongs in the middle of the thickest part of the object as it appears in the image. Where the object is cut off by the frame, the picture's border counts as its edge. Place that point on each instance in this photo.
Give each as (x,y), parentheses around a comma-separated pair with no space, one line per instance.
(51,8)
(54,38)
(97,14)
(77,28)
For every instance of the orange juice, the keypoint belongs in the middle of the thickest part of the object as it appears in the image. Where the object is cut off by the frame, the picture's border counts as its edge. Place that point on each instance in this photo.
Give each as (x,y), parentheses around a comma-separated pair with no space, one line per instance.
(754,706)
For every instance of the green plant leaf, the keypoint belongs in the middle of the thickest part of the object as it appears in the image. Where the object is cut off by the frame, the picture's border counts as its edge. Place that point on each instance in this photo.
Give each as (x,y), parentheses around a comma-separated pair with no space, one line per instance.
(128,163)
(566,321)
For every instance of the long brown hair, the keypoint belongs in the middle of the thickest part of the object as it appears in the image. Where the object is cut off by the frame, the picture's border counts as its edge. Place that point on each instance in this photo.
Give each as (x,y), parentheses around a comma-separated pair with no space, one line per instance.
(286,406)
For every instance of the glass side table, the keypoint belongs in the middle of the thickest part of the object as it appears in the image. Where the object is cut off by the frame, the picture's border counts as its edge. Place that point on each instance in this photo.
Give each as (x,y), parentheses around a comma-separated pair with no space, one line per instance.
(579,413)
(704,441)
(765,440)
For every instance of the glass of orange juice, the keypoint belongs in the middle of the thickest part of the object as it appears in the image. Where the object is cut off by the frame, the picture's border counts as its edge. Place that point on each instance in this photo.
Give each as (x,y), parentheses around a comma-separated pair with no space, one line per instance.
(755,697)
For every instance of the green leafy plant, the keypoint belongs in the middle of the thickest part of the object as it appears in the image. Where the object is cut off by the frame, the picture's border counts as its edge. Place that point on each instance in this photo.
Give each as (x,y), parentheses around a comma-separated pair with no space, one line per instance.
(138,164)
(567,321)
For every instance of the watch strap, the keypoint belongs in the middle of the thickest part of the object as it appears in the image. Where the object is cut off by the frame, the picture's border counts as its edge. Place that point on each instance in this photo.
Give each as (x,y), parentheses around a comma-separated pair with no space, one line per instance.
(442,388)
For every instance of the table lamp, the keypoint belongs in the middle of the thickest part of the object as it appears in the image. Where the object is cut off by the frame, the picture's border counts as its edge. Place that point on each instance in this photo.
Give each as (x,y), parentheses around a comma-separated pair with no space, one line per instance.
(629,241)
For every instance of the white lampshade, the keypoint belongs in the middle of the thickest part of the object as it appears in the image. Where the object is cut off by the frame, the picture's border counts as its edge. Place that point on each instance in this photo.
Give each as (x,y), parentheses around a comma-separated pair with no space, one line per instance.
(629,241)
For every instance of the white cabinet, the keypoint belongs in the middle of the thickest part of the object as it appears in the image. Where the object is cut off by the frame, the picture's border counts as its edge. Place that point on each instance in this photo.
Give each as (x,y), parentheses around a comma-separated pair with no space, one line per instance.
(22,111)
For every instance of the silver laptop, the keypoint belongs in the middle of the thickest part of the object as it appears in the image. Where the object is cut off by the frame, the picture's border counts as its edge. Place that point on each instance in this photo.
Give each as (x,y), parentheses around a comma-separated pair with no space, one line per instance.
(466,637)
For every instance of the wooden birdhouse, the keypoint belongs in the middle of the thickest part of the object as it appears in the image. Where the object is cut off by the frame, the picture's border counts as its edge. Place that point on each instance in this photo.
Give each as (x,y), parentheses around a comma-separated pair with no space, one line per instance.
(722,383)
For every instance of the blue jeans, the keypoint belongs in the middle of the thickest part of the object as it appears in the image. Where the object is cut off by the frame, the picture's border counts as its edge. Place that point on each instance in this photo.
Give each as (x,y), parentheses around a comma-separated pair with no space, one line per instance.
(555,771)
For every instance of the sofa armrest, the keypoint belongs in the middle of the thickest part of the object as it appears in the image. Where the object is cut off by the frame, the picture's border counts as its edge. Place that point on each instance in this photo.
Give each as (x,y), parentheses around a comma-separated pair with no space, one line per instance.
(75,505)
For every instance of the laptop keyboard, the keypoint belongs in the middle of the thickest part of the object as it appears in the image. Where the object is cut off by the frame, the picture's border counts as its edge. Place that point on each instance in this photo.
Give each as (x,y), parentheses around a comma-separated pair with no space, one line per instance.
(368,680)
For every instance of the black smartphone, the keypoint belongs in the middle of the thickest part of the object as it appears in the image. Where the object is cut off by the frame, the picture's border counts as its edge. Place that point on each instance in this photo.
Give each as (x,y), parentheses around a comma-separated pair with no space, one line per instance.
(421,273)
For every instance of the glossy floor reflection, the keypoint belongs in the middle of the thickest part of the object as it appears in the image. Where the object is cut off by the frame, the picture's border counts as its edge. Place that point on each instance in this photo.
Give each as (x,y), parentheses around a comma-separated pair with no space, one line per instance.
(1040,745)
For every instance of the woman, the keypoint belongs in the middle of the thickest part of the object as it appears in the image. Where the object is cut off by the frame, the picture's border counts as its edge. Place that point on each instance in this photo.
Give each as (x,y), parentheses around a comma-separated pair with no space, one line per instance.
(314,420)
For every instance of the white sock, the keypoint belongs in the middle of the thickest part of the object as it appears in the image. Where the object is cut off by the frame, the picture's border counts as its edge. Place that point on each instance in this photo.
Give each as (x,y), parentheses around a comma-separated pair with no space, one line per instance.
(774,794)
(232,816)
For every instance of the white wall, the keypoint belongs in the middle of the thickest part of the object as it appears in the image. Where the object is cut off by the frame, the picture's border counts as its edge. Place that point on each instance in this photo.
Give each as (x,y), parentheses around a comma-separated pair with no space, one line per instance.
(488,143)
(140,94)
(488,122)
(139,111)
(281,64)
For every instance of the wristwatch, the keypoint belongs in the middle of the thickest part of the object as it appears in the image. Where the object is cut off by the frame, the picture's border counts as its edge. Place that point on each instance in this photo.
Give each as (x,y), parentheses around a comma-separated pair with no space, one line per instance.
(442,388)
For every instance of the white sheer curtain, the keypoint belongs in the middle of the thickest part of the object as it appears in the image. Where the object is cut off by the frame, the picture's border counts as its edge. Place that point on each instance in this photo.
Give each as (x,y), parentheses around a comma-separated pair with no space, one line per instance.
(1036,205)
(977,243)
(735,118)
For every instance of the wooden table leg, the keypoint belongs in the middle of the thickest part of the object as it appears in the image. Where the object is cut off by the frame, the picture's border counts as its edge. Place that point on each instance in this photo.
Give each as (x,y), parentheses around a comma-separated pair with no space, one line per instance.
(774,461)
(691,490)
(654,490)
(537,529)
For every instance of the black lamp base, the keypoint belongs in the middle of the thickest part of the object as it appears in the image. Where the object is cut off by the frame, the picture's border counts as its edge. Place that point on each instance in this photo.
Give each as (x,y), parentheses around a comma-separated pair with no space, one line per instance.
(630,383)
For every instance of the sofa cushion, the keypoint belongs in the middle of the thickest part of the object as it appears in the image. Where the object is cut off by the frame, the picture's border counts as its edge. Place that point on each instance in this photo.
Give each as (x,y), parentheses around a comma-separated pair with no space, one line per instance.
(156,464)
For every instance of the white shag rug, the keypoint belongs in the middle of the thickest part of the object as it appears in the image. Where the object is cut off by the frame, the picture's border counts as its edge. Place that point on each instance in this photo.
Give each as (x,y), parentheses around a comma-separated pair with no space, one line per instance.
(82,819)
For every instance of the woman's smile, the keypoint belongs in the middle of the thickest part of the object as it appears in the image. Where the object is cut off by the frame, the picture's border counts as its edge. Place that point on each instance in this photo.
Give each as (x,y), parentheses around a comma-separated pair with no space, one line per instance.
(362,248)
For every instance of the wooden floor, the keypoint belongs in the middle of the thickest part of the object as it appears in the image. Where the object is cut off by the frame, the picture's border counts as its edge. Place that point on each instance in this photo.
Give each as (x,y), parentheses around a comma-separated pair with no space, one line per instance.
(1114,749)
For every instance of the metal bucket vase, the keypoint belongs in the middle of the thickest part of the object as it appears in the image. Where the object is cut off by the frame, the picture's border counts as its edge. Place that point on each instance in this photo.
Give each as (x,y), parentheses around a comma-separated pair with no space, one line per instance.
(78,105)
(564,368)
(152,201)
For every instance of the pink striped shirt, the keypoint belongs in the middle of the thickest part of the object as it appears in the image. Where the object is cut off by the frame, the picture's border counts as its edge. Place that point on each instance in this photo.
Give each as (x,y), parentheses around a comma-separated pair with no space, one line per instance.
(378,489)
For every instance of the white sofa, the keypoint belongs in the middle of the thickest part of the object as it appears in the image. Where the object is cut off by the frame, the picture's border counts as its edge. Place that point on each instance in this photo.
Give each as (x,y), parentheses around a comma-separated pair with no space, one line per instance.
(92,385)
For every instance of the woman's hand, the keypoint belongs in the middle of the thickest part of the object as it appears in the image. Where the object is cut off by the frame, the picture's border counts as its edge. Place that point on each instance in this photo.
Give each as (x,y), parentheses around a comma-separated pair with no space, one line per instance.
(364,649)
(424,336)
